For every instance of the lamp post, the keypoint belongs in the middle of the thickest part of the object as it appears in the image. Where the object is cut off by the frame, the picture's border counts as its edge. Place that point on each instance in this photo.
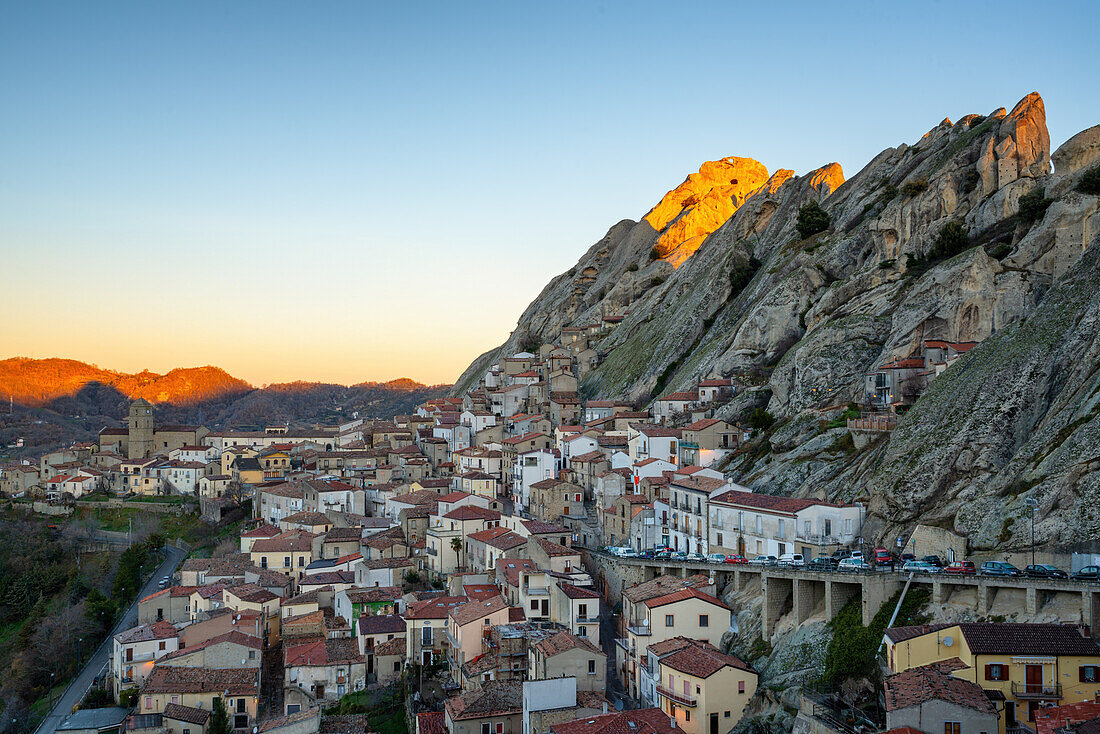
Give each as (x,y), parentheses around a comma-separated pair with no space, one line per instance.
(1034,505)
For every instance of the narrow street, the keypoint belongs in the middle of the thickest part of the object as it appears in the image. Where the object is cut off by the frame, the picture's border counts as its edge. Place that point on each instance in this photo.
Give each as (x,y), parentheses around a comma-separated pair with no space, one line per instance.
(79,686)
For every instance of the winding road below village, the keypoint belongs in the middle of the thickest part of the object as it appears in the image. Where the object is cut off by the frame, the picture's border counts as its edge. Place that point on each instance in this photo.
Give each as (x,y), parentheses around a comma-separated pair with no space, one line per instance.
(74,692)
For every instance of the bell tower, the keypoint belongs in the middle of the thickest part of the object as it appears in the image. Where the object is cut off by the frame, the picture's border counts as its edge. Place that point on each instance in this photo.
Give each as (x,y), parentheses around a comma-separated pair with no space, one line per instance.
(140,424)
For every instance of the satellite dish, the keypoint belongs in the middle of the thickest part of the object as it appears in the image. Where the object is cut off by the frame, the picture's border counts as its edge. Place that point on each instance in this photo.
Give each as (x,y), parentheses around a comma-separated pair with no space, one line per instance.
(619,705)
(947,641)
(645,622)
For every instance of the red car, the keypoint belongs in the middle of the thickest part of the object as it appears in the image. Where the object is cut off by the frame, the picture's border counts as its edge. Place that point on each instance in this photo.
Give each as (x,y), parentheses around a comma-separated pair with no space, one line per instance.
(736,559)
(961,568)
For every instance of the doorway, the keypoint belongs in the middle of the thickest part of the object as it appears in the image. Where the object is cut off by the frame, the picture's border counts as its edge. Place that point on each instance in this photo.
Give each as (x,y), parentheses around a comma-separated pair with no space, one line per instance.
(714,724)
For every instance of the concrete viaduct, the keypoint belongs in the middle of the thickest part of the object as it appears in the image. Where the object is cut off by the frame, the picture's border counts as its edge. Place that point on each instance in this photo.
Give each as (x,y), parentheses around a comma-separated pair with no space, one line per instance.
(802,592)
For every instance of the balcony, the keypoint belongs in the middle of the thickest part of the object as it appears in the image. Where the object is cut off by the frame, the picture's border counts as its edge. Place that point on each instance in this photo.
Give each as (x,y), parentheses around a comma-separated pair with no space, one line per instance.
(625,644)
(1037,691)
(431,551)
(681,698)
(639,628)
(536,590)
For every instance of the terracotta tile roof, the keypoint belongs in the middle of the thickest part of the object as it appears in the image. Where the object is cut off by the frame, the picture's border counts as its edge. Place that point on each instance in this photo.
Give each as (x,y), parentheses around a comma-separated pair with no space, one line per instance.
(494,698)
(671,645)
(1047,720)
(929,683)
(238,681)
(471,512)
(287,720)
(538,527)
(322,652)
(290,541)
(506,541)
(516,614)
(637,721)
(478,592)
(690,593)
(701,484)
(663,585)
(436,608)
(373,594)
(376,624)
(475,610)
(235,637)
(1018,638)
(702,660)
(343,534)
(590,456)
(714,383)
(488,534)
(419,497)
(555,549)
(577,592)
(702,425)
(396,646)
(455,496)
(564,641)
(653,431)
(188,714)
(431,722)
(252,593)
(679,397)
(901,634)
(145,632)
(784,505)
(510,568)
(264,531)
(481,664)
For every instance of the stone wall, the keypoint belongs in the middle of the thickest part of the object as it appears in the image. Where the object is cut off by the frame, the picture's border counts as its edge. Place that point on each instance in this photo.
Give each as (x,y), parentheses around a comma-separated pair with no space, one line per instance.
(611,576)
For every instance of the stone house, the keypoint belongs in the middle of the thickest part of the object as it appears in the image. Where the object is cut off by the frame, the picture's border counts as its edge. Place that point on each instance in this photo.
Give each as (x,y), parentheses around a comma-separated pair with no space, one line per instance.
(565,654)
(321,670)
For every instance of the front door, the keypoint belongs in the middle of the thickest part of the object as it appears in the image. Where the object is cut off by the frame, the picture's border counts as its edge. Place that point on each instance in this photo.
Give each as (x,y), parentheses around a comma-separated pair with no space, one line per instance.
(714,724)
(741,546)
(1010,713)
(1034,678)
(427,657)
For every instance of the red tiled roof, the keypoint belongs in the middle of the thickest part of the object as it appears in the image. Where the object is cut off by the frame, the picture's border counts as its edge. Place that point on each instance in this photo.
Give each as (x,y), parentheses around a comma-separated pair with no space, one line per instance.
(930,683)
(689,593)
(785,505)
(637,721)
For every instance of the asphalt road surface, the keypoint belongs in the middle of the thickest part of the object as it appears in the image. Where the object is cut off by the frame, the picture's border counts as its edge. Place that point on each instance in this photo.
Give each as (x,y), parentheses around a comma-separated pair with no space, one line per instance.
(79,686)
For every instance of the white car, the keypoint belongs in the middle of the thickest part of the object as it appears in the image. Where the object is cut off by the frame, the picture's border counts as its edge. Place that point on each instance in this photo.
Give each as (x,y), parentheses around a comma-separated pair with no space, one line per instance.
(764,561)
(716,558)
(794,560)
(853,564)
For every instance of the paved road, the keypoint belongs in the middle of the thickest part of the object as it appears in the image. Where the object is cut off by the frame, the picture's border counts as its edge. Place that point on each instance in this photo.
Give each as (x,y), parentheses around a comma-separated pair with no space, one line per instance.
(79,686)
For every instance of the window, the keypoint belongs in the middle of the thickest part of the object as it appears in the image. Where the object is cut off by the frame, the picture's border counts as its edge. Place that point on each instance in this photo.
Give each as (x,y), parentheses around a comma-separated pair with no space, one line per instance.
(952,727)
(286,561)
(582,610)
(740,689)
(175,699)
(301,561)
(996,671)
(535,604)
(759,525)
(782,532)
(726,715)
(1089,673)
(148,702)
(807,528)
(161,645)
(669,622)
(591,667)
(704,620)
(251,654)
(720,539)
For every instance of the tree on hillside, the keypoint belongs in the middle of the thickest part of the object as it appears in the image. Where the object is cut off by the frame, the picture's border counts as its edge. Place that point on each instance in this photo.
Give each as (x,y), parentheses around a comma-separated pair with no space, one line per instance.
(811,220)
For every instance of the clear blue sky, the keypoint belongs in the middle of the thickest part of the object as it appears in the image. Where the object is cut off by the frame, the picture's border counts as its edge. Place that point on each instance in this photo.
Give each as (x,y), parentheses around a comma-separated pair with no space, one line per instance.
(352,191)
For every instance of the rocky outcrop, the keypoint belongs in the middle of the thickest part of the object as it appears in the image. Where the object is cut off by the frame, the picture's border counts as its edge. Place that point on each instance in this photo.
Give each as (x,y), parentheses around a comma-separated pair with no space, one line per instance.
(804,320)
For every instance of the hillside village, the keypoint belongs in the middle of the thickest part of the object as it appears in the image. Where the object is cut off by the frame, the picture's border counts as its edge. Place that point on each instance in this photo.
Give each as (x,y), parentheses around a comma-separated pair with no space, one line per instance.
(463,559)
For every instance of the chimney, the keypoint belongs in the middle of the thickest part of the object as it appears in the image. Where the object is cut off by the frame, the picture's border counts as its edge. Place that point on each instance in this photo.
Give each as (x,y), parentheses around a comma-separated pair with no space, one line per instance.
(605,706)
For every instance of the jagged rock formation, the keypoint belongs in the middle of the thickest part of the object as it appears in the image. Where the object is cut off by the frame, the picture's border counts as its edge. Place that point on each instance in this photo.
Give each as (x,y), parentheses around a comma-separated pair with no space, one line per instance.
(803,320)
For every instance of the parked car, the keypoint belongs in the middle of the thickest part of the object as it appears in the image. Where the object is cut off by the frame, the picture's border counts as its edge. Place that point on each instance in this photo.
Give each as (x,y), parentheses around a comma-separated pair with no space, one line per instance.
(716,558)
(165,582)
(934,560)
(906,557)
(764,561)
(853,564)
(857,554)
(840,553)
(920,567)
(793,560)
(1000,568)
(628,553)
(662,553)
(646,554)
(883,558)
(961,568)
(823,563)
(1044,571)
(737,559)
(677,556)
(696,558)
(1088,573)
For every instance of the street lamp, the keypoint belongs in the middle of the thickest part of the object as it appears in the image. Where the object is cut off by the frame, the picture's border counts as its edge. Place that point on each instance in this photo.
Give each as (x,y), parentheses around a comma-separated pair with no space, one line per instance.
(1034,505)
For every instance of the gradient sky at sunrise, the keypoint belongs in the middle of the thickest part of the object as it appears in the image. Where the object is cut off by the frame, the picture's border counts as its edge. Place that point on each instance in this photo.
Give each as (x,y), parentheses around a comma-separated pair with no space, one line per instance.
(351,191)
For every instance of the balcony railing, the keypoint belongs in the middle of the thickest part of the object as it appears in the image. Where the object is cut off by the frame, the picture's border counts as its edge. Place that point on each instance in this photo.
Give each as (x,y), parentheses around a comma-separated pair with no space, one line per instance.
(431,551)
(1037,691)
(536,590)
(639,628)
(681,698)
(624,643)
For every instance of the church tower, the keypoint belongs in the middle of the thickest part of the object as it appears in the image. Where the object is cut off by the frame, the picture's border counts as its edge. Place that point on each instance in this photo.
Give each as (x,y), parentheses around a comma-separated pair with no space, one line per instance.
(140,424)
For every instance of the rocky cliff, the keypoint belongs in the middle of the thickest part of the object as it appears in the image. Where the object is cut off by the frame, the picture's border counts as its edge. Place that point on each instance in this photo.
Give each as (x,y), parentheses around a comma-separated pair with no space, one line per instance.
(966,235)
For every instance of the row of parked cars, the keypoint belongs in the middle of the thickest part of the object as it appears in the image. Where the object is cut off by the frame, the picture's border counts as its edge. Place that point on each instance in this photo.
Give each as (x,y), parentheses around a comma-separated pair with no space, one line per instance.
(880,559)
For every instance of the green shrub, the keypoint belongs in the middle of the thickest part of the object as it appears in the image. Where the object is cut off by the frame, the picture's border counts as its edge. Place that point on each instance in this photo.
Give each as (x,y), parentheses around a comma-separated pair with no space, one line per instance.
(890,192)
(1000,252)
(761,419)
(811,220)
(656,281)
(886,264)
(850,411)
(654,254)
(1033,205)
(412,577)
(1090,182)
(914,187)
(952,239)
(632,268)
(975,121)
